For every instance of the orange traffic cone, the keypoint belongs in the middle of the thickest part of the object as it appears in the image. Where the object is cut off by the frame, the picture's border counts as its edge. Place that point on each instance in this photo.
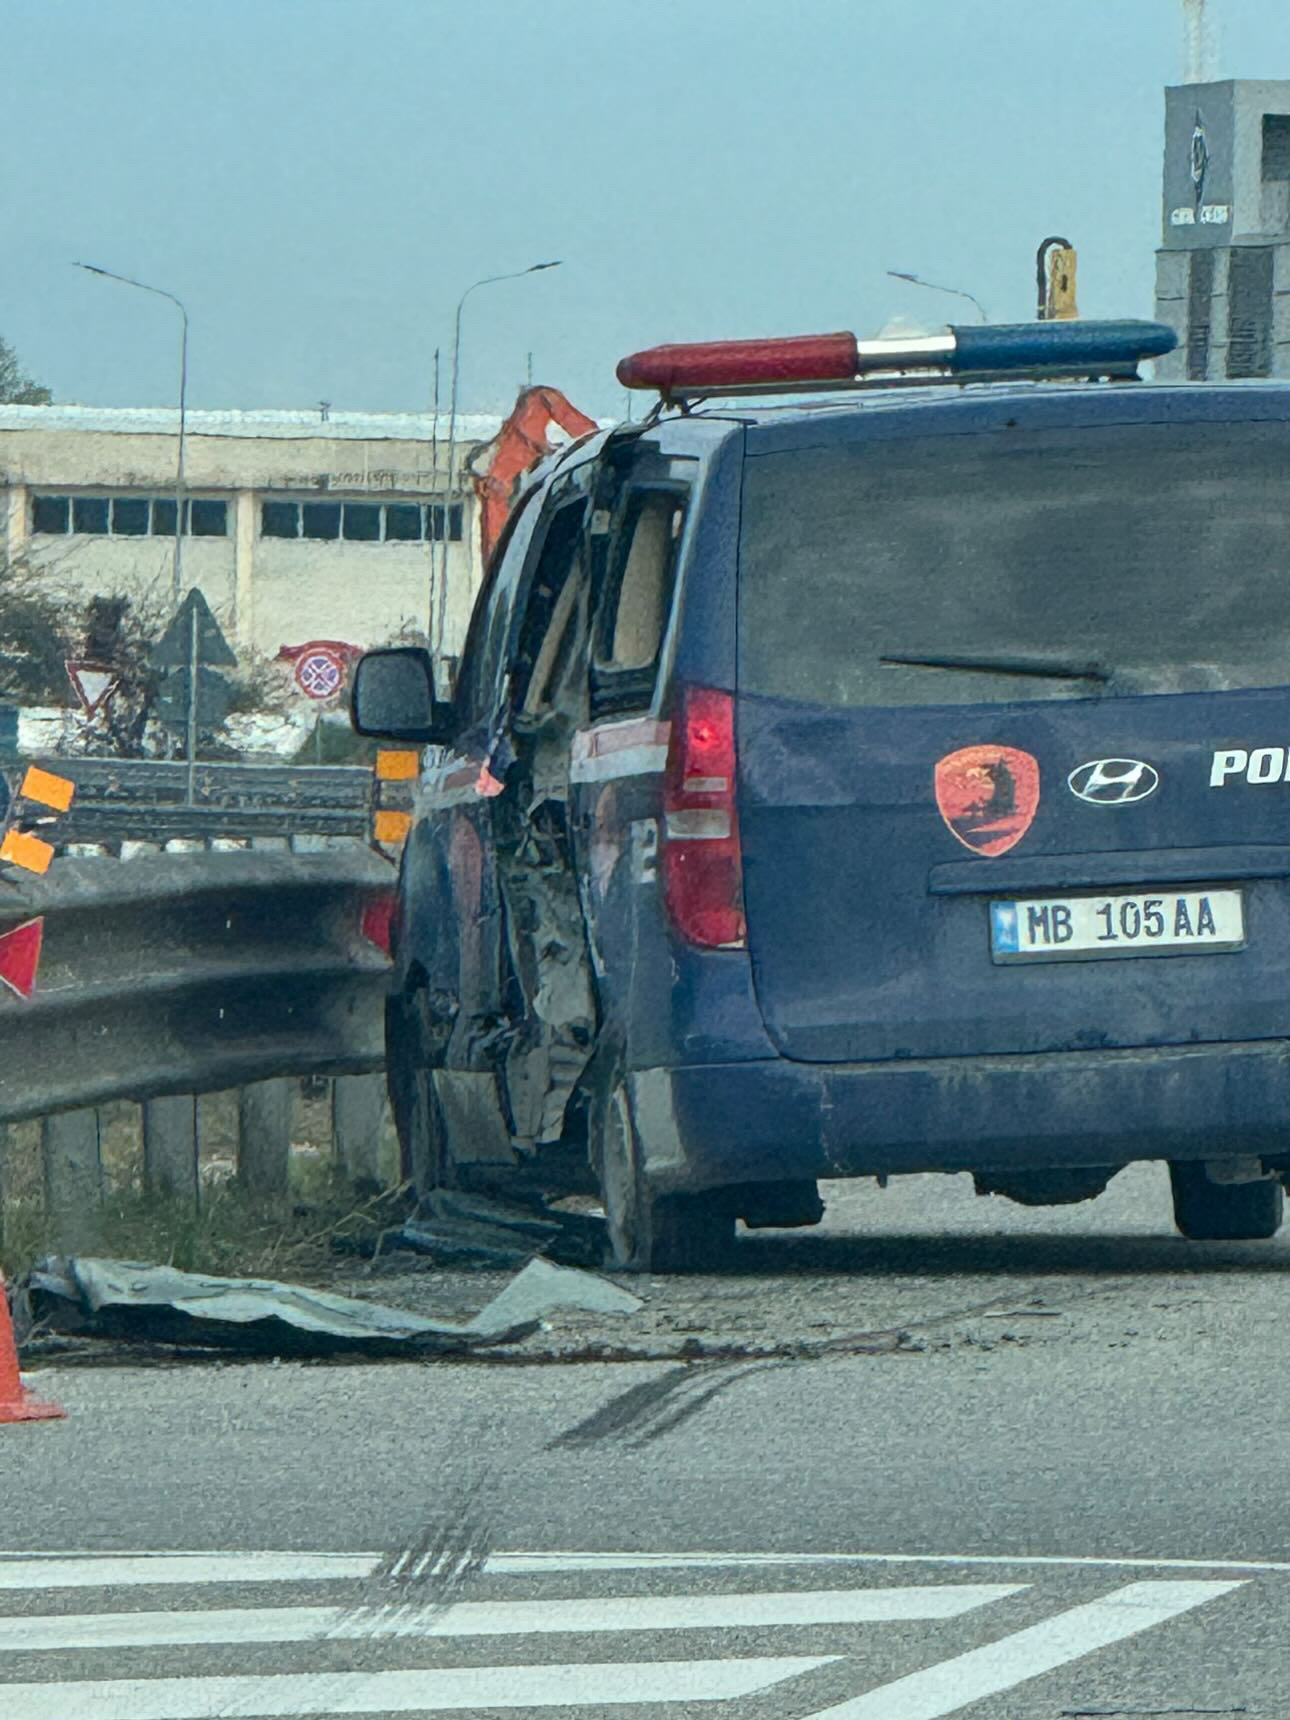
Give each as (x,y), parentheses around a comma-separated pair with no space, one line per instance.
(15,1405)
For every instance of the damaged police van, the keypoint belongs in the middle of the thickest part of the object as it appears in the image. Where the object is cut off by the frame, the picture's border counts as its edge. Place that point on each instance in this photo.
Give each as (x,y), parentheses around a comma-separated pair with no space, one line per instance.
(895,781)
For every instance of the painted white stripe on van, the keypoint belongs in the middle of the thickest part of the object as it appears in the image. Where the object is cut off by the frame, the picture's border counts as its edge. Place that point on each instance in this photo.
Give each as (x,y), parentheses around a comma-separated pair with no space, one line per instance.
(631,761)
(403,1618)
(999,1666)
(426,1690)
(637,747)
(615,737)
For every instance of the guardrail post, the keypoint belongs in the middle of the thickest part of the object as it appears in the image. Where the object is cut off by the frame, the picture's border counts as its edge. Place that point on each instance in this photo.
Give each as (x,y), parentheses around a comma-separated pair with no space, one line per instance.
(264,1136)
(170,1147)
(357,1117)
(69,1143)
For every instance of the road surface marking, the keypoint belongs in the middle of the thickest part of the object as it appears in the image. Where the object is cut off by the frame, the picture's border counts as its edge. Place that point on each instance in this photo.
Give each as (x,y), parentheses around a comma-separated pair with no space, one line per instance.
(122,1570)
(998,1666)
(403,1617)
(428,1690)
(110,1570)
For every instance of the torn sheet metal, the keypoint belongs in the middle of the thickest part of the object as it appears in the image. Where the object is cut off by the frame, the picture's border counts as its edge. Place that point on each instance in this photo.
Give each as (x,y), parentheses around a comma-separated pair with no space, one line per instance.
(542,1287)
(467,1229)
(127,1300)
(450,1243)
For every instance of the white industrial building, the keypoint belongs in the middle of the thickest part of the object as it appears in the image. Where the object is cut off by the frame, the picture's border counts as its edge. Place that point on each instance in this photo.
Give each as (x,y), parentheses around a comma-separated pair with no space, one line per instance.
(300,525)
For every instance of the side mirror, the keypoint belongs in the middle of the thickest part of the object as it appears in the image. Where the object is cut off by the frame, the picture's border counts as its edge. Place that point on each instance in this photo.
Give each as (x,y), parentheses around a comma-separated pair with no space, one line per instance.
(393,697)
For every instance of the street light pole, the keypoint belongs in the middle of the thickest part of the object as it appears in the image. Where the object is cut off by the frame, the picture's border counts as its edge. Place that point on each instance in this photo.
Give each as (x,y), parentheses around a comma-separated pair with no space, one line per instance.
(918,281)
(487,281)
(177,575)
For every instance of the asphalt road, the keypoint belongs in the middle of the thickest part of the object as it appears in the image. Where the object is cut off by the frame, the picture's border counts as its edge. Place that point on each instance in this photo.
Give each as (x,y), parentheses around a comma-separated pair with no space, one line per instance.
(1071,1419)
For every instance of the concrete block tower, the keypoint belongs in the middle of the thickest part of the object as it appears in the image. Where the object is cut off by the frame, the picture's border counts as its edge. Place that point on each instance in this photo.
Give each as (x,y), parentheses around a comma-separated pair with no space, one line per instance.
(1223,268)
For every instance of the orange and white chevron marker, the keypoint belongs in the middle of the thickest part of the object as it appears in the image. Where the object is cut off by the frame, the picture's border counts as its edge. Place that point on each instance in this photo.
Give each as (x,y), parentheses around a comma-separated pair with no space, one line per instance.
(46,788)
(19,847)
(398,764)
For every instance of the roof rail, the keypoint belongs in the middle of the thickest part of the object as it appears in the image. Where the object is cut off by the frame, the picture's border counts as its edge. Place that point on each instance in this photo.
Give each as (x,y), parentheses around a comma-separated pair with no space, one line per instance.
(990,352)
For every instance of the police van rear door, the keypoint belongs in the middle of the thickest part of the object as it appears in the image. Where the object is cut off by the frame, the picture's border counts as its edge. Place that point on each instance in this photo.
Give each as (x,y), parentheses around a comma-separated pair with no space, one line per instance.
(1013,723)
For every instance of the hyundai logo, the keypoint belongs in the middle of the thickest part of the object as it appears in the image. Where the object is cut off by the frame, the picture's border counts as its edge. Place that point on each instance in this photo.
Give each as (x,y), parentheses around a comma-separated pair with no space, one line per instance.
(1113,781)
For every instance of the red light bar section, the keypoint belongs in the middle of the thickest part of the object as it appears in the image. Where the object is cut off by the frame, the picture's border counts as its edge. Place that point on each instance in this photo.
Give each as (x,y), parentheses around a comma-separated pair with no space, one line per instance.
(741,363)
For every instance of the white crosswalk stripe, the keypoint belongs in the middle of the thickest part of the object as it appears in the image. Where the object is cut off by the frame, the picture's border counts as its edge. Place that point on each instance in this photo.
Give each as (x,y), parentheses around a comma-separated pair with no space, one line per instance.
(131,1676)
(424,1691)
(1000,1666)
(499,1618)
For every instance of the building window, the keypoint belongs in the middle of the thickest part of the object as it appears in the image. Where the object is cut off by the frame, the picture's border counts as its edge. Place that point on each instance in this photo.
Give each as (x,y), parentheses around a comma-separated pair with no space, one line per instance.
(280,519)
(436,512)
(208,519)
(403,522)
(1276,146)
(89,514)
(50,513)
(362,522)
(320,519)
(127,516)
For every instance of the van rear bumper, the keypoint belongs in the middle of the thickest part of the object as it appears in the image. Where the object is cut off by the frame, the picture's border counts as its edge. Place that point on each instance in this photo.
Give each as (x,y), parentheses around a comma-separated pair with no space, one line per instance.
(702,1127)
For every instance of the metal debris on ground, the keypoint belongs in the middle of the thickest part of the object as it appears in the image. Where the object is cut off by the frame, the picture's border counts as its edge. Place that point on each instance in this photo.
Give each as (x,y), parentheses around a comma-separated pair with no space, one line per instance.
(124,1300)
(460,1229)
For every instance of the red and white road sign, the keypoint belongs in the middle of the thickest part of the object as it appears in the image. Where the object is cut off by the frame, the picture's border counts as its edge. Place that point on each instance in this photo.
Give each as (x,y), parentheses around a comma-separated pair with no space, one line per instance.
(93,683)
(320,672)
(321,666)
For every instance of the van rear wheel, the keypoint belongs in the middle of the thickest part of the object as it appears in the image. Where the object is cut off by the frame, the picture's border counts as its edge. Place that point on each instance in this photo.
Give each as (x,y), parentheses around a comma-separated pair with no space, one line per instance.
(649,1232)
(1207,1211)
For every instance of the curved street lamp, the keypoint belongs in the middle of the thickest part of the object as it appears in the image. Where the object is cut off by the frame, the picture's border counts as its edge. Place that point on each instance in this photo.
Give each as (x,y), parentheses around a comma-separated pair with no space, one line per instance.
(918,281)
(161,293)
(486,281)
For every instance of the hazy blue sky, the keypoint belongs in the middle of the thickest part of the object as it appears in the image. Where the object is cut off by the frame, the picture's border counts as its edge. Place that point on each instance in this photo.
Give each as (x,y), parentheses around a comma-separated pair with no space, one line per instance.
(319,179)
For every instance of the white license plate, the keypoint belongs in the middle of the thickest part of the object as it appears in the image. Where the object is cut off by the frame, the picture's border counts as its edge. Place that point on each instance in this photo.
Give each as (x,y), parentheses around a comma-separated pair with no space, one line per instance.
(1167,922)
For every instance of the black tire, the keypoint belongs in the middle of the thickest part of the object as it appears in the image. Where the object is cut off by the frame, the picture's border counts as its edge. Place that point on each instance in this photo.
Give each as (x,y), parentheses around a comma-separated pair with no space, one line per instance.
(424,1161)
(649,1232)
(1207,1211)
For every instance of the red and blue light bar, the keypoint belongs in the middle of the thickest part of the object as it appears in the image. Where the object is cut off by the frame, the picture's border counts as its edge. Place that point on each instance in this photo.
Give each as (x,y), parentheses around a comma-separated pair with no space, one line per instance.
(807,361)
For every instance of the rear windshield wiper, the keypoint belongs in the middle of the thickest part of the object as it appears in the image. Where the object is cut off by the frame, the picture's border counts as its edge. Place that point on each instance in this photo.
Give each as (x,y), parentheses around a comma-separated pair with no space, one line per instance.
(1049,668)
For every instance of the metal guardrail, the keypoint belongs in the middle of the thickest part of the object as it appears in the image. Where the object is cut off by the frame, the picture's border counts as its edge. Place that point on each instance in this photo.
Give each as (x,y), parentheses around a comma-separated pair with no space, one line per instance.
(120,800)
(188,973)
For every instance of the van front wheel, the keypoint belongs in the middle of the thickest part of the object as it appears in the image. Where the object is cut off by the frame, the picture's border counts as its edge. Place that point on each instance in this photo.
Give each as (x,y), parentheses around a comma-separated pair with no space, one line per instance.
(650,1232)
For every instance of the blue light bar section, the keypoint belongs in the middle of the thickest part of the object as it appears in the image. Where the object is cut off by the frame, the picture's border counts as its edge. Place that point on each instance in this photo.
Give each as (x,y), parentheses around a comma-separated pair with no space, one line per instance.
(1059,345)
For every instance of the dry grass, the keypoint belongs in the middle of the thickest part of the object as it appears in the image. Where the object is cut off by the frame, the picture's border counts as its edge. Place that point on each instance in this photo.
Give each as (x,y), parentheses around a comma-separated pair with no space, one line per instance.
(229,1233)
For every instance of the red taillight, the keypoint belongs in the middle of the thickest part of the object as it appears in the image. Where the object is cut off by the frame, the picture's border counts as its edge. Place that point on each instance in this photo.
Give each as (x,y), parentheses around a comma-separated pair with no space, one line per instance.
(702,867)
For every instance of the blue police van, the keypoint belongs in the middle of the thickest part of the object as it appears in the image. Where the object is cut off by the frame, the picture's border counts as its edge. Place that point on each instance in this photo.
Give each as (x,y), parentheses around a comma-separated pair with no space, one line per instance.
(891,780)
